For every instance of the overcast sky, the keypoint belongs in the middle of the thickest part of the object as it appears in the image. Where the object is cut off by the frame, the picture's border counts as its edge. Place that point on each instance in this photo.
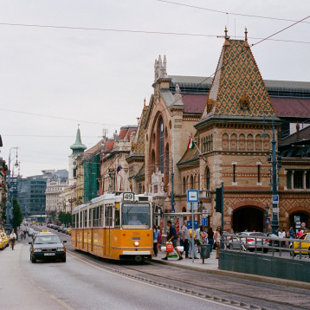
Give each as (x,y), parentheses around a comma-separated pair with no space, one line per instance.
(100,78)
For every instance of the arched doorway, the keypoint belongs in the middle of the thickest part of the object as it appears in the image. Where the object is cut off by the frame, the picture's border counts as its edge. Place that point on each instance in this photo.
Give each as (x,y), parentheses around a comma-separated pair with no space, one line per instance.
(248,218)
(302,216)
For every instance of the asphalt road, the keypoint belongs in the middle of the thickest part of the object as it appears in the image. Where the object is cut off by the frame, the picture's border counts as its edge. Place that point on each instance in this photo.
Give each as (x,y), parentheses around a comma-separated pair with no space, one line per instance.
(82,284)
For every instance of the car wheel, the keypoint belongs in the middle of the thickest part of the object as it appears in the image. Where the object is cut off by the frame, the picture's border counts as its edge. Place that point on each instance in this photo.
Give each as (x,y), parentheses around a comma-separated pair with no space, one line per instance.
(33,260)
(309,252)
(265,250)
(292,253)
(64,259)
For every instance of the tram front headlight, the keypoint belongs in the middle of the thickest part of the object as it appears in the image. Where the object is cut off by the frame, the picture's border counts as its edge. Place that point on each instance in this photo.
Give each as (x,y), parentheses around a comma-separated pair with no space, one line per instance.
(136,243)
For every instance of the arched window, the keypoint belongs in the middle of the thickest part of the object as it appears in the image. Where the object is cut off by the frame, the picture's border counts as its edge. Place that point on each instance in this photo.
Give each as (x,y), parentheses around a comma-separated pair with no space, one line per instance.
(192,182)
(250,146)
(184,186)
(225,142)
(242,142)
(233,142)
(207,179)
(258,143)
(266,143)
(161,136)
(153,162)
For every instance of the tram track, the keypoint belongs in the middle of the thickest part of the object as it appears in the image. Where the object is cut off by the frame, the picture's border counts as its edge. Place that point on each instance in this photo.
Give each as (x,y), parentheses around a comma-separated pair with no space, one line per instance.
(238,293)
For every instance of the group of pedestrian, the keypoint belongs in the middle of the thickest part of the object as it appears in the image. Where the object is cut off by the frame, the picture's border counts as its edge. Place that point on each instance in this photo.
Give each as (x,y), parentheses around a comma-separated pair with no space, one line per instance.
(192,246)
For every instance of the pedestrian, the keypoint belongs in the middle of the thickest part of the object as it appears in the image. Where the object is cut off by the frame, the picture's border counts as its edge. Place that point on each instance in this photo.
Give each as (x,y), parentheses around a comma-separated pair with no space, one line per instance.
(200,237)
(193,246)
(185,237)
(282,234)
(12,239)
(217,240)
(155,240)
(299,233)
(172,237)
(210,238)
(159,239)
(291,233)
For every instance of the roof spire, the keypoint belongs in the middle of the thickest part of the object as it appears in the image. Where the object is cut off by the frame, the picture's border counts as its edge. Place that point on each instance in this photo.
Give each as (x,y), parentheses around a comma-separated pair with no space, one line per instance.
(226,31)
(78,147)
(246,34)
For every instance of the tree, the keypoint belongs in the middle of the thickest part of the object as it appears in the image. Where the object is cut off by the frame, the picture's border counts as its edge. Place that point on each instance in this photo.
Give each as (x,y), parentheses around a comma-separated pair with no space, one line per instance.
(17,214)
(64,218)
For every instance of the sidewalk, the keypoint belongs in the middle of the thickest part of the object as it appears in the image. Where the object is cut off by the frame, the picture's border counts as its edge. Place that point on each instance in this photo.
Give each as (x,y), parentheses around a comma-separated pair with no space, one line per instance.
(209,264)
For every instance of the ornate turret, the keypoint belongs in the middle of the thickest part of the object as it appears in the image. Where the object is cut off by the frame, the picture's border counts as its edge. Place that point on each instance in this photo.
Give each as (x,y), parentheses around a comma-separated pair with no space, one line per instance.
(78,147)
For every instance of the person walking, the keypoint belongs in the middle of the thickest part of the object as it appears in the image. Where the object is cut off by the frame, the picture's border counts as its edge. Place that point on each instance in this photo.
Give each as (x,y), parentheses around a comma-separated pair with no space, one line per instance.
(210,238)
(185,237)
(172,237)
(155,240)
(282,234)
(193,246)
(12,239)
(217,240)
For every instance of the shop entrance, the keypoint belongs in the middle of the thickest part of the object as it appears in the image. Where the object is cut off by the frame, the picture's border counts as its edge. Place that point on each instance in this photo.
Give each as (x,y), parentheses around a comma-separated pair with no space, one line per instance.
(301,217)
(248,218)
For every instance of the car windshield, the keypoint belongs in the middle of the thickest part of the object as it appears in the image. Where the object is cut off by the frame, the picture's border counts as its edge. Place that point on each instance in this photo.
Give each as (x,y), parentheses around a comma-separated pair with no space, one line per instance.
(134,214)
(46,239)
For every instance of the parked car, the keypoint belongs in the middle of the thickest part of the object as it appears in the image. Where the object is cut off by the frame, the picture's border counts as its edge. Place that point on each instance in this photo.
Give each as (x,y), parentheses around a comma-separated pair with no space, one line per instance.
(248,241)
(302,247)
(4,239)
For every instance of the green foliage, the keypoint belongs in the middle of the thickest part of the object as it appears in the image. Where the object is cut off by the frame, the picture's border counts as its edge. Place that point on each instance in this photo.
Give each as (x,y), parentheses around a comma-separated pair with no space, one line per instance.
(17,214)
(65,218)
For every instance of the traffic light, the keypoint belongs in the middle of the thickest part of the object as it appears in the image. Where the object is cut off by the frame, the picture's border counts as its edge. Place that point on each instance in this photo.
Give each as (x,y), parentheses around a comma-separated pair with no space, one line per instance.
(218,200)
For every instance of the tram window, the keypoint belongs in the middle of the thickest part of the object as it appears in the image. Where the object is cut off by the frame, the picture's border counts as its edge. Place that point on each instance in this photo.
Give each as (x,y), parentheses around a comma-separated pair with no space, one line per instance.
(101,216)
(85,218)
(95,214)
(108,216)
(81,223)
(136,214)
(117,218)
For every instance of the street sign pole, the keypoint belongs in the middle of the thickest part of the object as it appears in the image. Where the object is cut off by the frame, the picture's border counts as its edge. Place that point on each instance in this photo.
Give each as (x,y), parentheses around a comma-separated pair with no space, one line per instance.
(193,240)
(192,196)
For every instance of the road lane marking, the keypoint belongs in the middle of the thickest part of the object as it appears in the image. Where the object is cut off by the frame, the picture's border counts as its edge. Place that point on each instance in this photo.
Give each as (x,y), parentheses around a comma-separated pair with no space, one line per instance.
(123,275)
(42,289)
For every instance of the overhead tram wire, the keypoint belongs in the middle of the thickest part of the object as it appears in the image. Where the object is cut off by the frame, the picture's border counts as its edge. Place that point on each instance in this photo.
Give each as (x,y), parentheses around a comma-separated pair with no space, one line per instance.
(252,45)
(201,35)
(58,117)
(227,12)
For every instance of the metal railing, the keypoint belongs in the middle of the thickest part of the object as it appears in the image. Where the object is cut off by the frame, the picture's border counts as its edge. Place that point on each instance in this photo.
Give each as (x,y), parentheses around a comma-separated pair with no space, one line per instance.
(266,245)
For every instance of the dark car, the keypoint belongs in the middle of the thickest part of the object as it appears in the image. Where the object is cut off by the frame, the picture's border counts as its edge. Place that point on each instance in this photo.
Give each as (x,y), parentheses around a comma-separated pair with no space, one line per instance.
(47,246)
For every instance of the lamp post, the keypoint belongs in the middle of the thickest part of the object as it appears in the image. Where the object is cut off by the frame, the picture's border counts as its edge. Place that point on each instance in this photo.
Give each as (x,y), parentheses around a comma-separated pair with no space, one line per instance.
(172,188)
(266,217)
(275,222)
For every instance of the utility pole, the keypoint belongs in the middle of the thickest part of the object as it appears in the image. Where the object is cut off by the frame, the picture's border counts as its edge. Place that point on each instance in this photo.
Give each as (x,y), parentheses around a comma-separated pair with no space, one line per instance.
(172,188)
(275,222)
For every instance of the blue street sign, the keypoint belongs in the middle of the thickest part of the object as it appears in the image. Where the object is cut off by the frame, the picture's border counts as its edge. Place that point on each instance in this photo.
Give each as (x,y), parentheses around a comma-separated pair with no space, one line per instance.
(192,195)
(267,220)
(275,199)
(204,221)
(189,224)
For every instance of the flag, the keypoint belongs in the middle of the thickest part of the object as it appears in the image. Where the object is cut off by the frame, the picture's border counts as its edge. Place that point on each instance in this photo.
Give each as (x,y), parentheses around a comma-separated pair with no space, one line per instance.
(119,168)
(191,143)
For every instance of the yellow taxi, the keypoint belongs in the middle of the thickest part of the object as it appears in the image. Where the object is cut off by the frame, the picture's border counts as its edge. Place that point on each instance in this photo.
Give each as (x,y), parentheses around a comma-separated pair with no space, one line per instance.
(302,247)
(4,240)
(68,231)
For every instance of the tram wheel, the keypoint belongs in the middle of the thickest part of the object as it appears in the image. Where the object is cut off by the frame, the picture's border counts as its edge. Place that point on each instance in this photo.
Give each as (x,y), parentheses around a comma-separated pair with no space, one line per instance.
(138,259)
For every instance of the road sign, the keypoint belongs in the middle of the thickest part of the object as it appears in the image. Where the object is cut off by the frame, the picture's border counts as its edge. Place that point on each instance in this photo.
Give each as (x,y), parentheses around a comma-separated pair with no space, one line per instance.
(192,195)
(267,220)
(189,224)
(204,221)
(275,199)
(276,210)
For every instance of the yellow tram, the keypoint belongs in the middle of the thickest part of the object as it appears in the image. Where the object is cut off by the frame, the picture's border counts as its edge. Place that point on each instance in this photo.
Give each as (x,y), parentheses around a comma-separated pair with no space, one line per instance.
(114,226)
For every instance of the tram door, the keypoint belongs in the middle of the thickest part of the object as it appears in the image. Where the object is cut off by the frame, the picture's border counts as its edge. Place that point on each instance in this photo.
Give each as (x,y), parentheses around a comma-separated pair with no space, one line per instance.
(108,232)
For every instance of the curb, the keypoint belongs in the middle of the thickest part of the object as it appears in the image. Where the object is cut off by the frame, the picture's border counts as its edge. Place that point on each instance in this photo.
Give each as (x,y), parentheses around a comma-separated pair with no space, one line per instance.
(246,276)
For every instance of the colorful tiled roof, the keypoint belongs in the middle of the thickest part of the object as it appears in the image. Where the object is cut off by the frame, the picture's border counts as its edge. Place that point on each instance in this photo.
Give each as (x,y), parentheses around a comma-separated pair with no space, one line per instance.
(238,88)
(138,147)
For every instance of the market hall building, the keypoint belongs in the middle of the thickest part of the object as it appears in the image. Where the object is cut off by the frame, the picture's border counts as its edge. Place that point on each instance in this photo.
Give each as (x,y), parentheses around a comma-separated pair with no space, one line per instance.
(231,119)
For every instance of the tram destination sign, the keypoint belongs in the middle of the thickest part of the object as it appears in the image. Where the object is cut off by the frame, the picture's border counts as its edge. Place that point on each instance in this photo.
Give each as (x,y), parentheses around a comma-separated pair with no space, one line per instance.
(129,196)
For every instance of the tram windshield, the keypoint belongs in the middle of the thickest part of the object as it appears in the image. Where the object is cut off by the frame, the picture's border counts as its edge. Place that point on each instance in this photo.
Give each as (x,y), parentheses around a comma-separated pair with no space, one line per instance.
(134,214)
